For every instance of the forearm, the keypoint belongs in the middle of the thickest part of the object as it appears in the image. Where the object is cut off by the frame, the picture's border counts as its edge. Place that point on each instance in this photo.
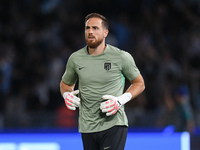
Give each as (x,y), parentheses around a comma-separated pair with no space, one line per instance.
(137,87)
(65,88)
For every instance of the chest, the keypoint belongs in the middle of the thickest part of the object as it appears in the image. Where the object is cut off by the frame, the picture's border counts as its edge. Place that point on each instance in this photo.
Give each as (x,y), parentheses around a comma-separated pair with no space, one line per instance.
(98,70)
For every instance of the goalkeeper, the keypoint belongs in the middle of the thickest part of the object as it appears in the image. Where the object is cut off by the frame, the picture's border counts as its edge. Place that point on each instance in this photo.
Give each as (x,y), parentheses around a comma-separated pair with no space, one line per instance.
(101,70)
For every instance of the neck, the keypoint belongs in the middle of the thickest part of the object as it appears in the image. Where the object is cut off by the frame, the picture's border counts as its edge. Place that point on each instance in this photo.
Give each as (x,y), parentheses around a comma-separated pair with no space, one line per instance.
(98,50)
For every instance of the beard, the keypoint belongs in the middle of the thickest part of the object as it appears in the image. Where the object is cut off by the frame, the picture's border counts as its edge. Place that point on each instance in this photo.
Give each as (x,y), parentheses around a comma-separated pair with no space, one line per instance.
(93,43)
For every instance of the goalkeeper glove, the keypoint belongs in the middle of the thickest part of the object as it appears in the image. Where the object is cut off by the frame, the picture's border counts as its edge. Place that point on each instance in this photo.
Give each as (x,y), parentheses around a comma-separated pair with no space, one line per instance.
(71,101)
(112,105)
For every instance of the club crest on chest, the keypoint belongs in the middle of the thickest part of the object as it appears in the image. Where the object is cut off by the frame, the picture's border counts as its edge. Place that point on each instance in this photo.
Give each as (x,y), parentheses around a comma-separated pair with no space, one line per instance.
(107,66)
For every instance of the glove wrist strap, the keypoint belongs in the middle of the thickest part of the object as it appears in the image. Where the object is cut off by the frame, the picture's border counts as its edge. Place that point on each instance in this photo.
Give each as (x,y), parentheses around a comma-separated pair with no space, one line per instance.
(124,98)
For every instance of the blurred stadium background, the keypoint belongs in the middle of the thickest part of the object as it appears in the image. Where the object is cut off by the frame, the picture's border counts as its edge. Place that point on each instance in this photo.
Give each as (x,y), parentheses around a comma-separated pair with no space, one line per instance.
(37,37)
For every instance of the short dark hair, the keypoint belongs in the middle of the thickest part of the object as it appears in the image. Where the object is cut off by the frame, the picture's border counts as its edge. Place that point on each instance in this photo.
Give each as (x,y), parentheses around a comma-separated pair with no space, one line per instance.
(96,15)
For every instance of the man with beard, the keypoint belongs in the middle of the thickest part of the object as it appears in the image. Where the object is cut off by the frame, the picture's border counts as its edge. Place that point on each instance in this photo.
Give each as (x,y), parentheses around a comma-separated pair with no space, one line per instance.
(101,70)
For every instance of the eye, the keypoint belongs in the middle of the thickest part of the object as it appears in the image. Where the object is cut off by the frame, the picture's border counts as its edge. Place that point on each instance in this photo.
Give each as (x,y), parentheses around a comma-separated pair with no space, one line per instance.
(95,28)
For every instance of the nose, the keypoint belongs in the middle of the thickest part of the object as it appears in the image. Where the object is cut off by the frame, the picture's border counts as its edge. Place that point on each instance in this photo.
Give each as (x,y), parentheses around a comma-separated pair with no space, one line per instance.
(90,31)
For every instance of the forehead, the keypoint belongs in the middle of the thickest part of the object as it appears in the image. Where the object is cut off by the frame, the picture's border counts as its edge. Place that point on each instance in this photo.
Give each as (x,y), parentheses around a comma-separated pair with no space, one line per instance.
(93,22)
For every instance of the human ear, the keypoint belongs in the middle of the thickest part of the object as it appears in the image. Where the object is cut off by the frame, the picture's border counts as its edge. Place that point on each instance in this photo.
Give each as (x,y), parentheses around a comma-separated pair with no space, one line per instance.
(106,31)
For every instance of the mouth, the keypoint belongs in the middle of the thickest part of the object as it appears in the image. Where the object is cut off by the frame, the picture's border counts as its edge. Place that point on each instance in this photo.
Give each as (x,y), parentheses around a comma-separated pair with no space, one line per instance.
(91,38)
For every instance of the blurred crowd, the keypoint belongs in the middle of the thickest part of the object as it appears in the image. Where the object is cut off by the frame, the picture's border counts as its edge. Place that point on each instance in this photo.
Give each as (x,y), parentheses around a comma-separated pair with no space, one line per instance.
(37,37)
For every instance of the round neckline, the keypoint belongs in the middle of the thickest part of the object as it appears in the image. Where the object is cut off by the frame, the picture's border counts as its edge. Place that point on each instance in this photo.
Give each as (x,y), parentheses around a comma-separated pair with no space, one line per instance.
(96,55)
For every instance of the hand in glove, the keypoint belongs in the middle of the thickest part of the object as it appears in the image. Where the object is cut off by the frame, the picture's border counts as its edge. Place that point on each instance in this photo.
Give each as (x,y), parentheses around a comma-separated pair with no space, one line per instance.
(71,101)
(112,105)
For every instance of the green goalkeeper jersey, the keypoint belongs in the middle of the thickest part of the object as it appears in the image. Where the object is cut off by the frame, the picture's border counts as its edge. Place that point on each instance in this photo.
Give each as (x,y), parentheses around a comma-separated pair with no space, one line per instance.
(99,75)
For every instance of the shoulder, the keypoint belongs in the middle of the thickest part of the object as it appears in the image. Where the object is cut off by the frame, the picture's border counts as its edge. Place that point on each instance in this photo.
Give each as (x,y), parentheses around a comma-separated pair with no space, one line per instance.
(78,54)
(117,53)
(113,49)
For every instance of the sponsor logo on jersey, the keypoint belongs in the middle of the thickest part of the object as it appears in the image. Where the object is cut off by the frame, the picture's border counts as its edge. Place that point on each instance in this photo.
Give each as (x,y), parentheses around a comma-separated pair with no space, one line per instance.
(81,68)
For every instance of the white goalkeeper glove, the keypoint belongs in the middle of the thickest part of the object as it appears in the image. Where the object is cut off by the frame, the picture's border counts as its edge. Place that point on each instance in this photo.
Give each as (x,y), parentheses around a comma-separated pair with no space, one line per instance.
(112,105)
(71,101)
